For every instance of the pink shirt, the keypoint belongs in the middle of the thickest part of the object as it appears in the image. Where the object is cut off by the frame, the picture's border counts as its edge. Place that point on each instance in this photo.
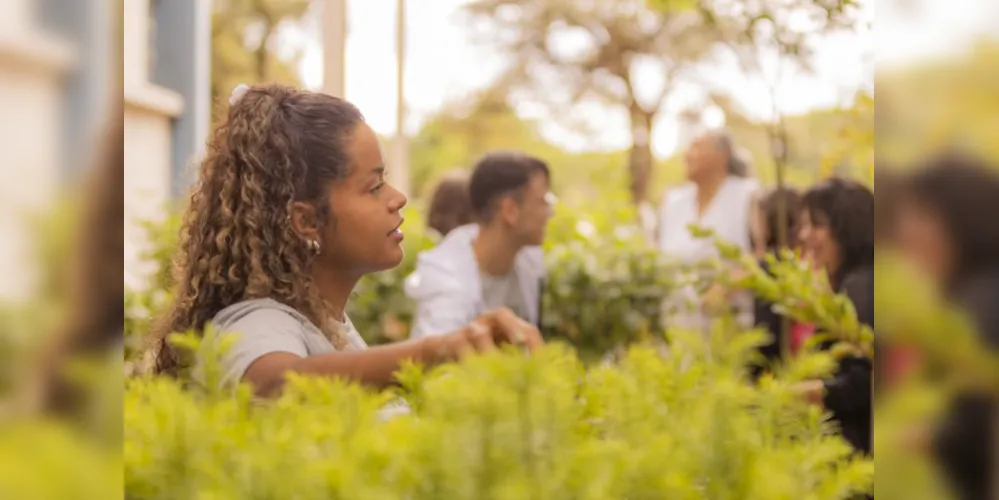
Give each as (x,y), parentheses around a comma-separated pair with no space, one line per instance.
(800,333)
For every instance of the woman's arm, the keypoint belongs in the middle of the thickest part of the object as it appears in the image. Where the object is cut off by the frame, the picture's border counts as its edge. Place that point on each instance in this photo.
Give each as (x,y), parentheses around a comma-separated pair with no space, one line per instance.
(377,366)
(374,366)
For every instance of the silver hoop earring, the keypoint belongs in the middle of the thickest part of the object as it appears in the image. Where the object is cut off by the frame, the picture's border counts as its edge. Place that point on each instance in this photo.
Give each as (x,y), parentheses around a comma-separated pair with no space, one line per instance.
(314,247)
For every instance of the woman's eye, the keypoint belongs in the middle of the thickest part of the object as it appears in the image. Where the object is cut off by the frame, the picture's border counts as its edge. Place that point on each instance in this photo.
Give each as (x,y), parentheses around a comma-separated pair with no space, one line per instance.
(378,187)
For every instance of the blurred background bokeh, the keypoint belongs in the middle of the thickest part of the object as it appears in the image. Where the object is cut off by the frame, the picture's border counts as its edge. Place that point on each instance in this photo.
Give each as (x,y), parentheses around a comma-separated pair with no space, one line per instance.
(609,93)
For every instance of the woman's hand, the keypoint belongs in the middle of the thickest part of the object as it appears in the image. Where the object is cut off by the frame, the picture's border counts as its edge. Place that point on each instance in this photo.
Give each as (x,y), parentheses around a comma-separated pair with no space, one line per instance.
(490,330)
(812,391)
(715,299)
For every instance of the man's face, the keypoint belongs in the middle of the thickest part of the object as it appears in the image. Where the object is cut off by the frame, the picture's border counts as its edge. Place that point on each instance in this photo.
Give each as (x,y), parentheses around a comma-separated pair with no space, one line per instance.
(531,215)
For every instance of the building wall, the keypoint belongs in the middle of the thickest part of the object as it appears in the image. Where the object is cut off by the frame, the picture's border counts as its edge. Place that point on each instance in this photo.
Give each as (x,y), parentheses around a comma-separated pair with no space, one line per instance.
(34,65)
(167,112)
(150,111)
(149,115)
(56,60)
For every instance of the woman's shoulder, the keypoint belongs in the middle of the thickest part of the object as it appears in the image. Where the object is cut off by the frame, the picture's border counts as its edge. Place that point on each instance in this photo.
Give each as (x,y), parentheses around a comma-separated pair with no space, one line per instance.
(259,310)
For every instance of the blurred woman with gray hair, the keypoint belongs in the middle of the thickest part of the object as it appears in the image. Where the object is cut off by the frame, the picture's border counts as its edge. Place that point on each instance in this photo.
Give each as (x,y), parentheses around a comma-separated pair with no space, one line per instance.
(720,195)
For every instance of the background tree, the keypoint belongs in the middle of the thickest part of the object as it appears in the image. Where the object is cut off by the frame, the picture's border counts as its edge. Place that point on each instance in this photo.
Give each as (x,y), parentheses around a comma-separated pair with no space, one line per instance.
(946,103)
(569,52)
(245,48)
(461,132)
(767,37)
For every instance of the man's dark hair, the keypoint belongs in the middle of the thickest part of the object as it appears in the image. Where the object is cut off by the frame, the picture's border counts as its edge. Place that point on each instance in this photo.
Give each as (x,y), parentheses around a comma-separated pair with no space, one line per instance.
(500,174)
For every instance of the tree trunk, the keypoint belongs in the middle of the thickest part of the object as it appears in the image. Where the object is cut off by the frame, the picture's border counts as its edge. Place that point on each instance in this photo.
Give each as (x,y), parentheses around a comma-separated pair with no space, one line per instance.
(263,56)
(640,156)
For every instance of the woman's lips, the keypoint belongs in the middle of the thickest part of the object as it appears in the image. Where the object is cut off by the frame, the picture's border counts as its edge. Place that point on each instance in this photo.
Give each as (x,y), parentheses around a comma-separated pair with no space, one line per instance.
(397,232)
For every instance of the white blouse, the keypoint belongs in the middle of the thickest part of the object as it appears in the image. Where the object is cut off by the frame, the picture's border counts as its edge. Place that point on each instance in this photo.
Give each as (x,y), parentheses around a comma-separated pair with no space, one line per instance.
(728,215)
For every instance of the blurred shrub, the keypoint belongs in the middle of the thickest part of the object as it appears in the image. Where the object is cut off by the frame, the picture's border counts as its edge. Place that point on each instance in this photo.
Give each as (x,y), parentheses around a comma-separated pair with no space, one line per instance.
(599,299)
(84,451)
(502,426)
(145,305)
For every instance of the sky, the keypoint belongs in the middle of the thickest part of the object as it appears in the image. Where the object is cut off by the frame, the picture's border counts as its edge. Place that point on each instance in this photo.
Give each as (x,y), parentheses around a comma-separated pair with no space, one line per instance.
(443,64)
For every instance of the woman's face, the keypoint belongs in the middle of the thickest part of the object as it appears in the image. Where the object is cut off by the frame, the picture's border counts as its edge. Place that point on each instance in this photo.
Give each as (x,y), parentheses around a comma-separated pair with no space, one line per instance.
(818,244)
(703,158)
(922,238)
(363,234)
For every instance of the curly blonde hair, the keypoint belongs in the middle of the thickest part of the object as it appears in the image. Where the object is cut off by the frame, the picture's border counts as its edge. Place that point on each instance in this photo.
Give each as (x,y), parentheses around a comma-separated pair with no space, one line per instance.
(276,146)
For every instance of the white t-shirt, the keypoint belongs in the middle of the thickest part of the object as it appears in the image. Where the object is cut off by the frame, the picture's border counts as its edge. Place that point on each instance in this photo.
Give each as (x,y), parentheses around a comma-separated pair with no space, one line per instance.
(503,291)
(264,326)
(728,215)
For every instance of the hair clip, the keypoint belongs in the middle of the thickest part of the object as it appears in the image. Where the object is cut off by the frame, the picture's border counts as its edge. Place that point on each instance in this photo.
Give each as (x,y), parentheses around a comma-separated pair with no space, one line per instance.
(238,93)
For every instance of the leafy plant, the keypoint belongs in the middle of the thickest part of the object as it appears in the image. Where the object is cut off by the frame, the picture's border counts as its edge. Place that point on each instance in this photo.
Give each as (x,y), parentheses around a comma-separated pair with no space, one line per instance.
(144,305)
(682,425)
(797,292)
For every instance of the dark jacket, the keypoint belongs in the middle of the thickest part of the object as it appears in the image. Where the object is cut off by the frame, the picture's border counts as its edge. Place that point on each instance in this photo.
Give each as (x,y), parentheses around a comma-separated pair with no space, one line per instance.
(963,442)
(848,392)
(764,317)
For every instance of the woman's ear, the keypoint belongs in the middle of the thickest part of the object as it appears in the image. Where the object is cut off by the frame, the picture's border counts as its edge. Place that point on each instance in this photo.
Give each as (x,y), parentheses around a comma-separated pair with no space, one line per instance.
(304,221)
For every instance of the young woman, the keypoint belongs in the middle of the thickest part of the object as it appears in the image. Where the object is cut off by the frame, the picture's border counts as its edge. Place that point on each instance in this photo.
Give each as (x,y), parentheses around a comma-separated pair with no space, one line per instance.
(291,209)
(719,196)
(765,228)
(837,234)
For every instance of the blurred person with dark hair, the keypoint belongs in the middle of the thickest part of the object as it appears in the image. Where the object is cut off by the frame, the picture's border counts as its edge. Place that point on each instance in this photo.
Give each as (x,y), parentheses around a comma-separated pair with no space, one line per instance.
(895,361)
(291,208)
(450,204)
(95,321)
(837,235)
(888,185)
(947,226)
(719,196)
(496,262)
(767,220)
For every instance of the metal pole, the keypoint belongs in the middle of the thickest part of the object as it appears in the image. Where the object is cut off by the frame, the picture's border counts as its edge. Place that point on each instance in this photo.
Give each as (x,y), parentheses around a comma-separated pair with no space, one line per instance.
(334,29)
(399,169)
(778,144)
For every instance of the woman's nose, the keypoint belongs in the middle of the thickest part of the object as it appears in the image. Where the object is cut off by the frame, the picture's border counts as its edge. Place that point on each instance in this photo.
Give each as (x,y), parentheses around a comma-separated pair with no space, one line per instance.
(398,201)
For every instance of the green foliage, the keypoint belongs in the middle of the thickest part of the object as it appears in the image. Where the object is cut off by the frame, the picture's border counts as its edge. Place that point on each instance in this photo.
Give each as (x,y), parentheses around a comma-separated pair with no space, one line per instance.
(681,425)
(953,361)
(25,325)
(599,299)
(50,461)
(797,292)
(460,134)
(940,104)
(456,137)
(911,313)
(244,37)
(85,454)
(145,305)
